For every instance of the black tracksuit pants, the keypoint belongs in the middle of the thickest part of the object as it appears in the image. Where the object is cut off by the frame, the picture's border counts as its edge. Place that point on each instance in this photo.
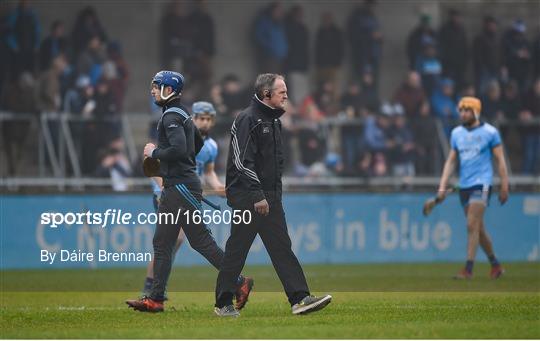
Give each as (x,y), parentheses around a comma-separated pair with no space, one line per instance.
(273,231)
(199,236)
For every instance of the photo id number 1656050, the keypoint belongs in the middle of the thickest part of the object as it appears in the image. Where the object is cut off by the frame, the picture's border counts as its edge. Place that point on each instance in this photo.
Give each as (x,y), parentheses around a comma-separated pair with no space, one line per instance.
(216,217)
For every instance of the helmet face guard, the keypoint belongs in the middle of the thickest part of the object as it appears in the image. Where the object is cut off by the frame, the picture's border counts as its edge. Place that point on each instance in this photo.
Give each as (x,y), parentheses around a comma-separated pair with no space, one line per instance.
(169,78)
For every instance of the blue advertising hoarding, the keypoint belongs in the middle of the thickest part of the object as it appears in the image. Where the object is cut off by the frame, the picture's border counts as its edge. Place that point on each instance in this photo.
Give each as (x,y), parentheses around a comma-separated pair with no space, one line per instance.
(324,228)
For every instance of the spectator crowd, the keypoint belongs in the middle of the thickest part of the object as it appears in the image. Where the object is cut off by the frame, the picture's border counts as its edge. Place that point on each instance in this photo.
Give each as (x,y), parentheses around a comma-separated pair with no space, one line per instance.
(84,73)
(81,73)
(400,135)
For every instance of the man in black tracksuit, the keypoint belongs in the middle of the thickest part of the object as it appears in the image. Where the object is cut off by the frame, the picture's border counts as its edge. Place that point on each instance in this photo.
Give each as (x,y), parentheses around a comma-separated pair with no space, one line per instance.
(179,141)
(254,170)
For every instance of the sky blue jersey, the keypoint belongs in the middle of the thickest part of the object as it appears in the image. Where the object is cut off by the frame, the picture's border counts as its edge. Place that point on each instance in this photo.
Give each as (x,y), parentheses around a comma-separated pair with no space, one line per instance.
(474,148)
(207,155)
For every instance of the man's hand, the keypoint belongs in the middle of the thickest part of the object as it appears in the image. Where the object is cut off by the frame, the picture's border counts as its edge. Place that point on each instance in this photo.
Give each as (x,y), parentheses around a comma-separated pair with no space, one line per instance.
(441,195)
(108,161)
(503,195)
(262,207)
(148,149)
(158,197)
(430,204)
(221,192)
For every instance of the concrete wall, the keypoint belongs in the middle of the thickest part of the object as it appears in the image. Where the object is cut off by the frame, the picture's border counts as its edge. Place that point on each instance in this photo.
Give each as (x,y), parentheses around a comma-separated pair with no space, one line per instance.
(136,23)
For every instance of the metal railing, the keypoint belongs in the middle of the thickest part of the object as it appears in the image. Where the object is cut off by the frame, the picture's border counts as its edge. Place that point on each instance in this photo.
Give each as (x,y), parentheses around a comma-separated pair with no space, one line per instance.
(292,184)
(57,150)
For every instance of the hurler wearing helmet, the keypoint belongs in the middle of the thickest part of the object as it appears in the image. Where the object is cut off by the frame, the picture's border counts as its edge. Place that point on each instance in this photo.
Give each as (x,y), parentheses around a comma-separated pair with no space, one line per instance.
(178,143)
(474,144)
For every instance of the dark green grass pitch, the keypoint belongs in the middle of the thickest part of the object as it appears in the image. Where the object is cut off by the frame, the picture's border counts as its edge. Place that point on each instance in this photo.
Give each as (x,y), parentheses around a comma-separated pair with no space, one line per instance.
(370,301)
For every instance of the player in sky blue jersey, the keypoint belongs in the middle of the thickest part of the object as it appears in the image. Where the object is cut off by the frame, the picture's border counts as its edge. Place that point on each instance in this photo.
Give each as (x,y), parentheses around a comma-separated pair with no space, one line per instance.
(204,118)
(474,144)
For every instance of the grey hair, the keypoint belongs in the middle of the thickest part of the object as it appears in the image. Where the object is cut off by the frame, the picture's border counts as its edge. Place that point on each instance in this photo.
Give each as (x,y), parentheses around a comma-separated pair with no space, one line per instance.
(265,82)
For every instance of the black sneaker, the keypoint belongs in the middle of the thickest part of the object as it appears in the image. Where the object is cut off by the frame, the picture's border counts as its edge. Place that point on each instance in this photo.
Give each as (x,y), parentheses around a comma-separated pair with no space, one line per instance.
(227,311)
(310,304)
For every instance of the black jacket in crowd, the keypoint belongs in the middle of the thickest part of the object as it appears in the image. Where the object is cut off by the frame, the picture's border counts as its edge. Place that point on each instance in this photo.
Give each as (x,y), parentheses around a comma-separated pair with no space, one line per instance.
(486,54)
(255,161)
(298,50)
(329,47)
(179,141)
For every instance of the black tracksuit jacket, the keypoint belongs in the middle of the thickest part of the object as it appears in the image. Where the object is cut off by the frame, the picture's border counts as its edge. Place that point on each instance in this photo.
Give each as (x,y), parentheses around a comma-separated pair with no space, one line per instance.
(178,143)
(255,160)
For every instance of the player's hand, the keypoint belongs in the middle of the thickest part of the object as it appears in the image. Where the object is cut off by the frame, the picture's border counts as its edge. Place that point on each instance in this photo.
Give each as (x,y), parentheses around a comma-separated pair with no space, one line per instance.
(503,195)
(221,192)
(441,195)
(158,197)
(262,207)
(148,149)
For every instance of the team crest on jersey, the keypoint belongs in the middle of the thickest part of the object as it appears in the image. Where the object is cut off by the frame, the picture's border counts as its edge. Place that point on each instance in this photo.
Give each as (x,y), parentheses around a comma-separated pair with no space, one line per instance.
(266,130)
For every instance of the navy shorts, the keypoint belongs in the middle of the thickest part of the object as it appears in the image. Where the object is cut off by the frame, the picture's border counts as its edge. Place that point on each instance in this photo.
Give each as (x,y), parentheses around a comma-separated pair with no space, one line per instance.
(479,193)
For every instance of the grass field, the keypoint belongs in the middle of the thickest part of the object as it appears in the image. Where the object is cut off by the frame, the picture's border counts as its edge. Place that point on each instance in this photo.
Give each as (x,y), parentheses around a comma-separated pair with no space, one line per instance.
(370,301)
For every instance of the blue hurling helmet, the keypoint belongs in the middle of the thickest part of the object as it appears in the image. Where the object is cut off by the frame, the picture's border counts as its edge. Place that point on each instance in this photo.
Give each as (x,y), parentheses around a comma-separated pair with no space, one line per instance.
(169,78)
(200,108)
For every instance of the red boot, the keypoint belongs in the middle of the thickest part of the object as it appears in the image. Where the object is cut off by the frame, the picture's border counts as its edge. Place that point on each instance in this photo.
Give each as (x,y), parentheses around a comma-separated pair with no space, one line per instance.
(496,271)
(146,304)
